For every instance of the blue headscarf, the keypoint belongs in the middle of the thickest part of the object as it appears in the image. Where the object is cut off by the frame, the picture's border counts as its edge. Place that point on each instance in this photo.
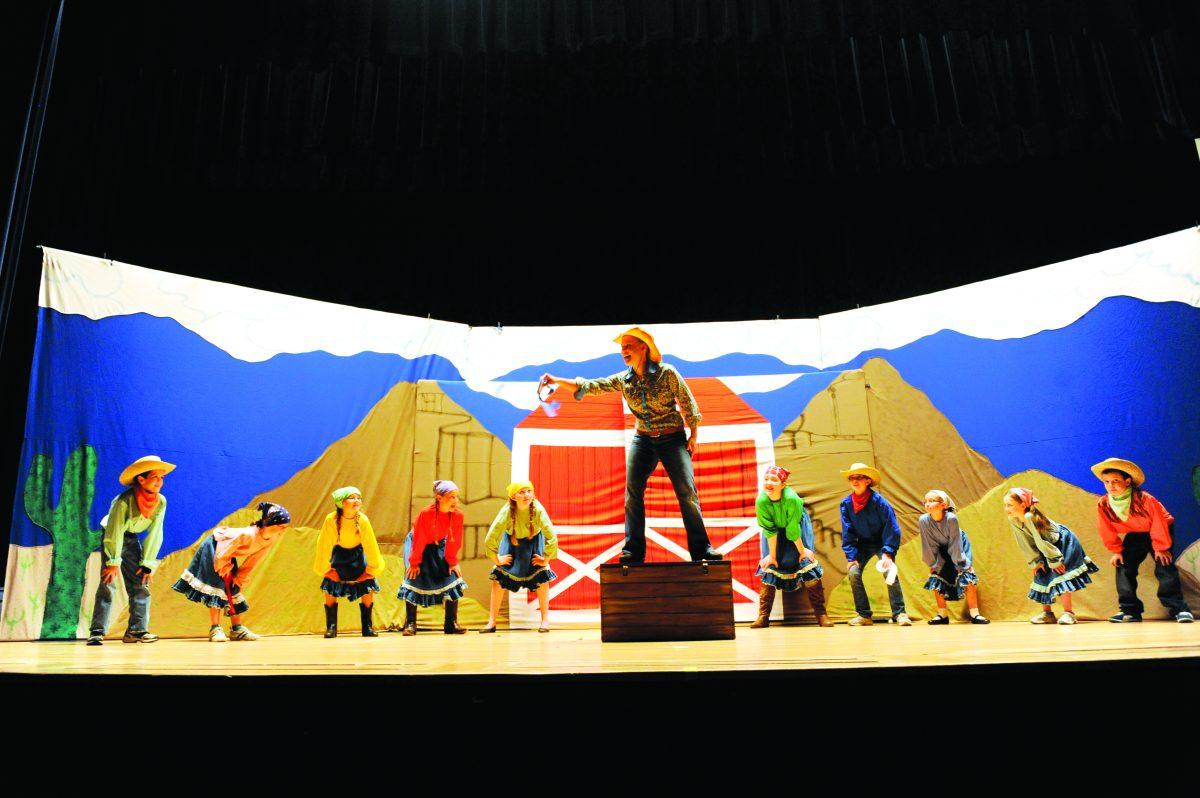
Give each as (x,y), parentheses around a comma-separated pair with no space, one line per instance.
(273,514)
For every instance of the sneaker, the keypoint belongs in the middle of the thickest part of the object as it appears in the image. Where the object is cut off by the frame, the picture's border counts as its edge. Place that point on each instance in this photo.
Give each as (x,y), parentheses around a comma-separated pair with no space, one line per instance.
(242,633)
(1043,617)
(1125,617)
(1067,619)
(1184,617)
(903,619)
(95,639)
(139,637)
(217,635)
(859,620)
(979,619)
(939,620)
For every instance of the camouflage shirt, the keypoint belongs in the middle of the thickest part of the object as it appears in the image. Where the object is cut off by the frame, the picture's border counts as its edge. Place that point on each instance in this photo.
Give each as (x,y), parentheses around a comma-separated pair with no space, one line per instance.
(660,400)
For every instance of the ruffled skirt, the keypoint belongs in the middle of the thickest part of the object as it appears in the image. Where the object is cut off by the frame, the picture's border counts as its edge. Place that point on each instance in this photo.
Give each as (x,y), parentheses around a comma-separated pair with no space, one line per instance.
(202,584)
(435,583)
(791,571)
(521,572)
(1047,585)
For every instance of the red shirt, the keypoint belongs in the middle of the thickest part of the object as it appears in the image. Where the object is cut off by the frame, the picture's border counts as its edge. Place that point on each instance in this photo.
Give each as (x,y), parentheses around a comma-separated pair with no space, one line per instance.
(434,527)
(1146,514)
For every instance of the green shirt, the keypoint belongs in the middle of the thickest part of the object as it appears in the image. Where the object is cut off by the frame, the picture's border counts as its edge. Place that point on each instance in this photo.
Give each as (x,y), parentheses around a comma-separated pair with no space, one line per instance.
(503,525)
(1036,544)
(785,515)
(124,518)
(652,397)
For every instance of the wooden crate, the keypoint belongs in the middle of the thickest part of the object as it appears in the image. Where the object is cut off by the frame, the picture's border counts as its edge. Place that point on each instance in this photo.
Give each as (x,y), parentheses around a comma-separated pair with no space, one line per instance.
(666,601)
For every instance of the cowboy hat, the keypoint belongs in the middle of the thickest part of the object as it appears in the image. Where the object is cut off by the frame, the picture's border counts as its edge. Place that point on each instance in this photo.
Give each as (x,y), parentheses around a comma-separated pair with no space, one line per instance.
(644,337)
(865,470)
(143,464)
(1117,464)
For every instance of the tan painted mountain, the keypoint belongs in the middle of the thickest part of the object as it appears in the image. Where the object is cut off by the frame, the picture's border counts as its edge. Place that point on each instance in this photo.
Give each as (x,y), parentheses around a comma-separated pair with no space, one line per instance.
(414,435)
(872,415)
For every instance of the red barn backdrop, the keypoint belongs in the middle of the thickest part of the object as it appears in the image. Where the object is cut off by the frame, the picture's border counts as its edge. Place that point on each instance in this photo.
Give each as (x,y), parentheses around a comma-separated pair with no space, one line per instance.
(576,460)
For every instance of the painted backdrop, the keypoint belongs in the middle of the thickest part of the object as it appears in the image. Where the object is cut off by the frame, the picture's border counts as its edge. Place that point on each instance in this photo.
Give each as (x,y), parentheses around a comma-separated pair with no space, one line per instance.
(1026,379)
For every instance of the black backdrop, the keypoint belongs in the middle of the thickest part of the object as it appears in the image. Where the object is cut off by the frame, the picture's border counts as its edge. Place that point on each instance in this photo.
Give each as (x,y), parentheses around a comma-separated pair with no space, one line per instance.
(686,159)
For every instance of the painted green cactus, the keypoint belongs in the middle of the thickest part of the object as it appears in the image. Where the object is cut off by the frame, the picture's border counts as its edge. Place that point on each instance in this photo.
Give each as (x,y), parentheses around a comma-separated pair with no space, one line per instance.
(67,523)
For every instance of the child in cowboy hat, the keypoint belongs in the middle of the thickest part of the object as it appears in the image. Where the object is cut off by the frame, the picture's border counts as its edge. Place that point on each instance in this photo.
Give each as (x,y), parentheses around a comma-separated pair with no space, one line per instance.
(869,529)
(1132,524)
(141,508)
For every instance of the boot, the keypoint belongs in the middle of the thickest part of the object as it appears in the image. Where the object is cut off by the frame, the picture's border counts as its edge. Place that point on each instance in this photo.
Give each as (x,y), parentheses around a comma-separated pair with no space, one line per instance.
(331,620)
(766,599)
(410,619)
(816,597)
(368,630)
(451,626)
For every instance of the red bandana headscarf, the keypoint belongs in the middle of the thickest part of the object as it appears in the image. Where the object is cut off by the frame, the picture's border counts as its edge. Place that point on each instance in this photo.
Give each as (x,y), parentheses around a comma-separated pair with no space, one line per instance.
(780,472)
(1025,496)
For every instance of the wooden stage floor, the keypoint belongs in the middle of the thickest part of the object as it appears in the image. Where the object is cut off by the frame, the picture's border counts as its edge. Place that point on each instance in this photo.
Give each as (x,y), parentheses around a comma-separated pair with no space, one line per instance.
(575,652)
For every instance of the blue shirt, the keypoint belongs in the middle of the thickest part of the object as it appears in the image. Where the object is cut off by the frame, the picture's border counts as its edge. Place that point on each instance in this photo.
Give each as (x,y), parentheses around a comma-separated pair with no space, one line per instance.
(875,524)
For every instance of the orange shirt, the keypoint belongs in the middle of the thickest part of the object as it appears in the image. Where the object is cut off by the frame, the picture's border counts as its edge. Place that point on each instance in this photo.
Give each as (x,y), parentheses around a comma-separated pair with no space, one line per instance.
(1154,519)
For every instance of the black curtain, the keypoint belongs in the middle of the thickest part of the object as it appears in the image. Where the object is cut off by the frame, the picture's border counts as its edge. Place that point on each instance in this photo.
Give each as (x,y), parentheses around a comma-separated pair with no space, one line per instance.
(691,159)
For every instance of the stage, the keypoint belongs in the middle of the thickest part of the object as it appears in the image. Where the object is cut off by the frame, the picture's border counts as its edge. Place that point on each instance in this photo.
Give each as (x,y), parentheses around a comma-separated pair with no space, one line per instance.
(779,651)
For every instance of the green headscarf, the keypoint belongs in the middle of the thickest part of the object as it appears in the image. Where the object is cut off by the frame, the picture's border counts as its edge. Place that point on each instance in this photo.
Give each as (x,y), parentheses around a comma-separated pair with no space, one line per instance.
(1120,504)
(341,494)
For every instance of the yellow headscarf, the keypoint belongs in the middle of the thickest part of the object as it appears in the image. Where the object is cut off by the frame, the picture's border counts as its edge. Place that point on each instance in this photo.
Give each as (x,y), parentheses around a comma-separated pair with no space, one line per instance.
(514,487)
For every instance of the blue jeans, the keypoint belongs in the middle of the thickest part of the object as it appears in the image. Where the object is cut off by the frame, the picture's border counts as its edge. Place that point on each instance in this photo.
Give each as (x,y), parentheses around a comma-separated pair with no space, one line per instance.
(645,453)
(139,594)
(862,604)
(1170,589)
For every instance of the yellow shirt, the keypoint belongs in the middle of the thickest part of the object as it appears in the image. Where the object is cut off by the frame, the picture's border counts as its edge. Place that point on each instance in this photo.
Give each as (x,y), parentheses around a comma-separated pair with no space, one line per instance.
(503,525)
(349,536)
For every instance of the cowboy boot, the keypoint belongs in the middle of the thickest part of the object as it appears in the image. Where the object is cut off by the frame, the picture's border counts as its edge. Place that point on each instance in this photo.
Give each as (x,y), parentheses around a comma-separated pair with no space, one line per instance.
(368,629)
(410,619)
(816,597)
(451,626)
(766,599)
(331,620)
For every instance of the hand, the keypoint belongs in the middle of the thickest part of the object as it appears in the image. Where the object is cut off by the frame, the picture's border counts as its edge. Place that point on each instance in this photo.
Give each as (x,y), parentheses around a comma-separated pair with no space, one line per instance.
(808,554)
(504,559)
(933,569)
(147,575)
(767,562)
(1163,557)
(549,379)
(886,559)
(109,574)
(1061,568)
(332,574)
(852,564)
(413,572)
(1117,560)
(1037,569)
(456,570)
(537,559)
(691,445)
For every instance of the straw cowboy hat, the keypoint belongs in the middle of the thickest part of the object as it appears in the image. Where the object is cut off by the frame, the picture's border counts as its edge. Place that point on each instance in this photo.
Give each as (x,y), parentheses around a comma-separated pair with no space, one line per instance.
(143,464)
(646,338)
(865,470)
(1117,464)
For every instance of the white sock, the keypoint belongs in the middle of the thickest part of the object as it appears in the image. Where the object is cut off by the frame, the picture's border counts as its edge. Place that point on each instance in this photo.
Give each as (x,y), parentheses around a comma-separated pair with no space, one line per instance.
(974,611)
